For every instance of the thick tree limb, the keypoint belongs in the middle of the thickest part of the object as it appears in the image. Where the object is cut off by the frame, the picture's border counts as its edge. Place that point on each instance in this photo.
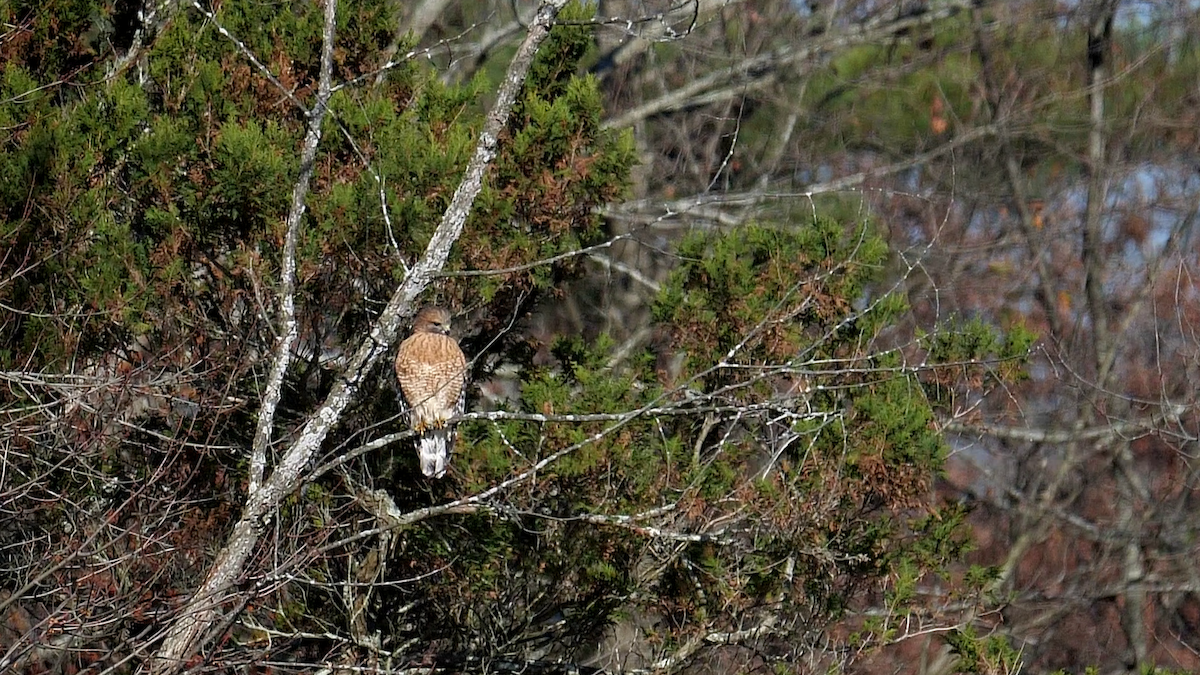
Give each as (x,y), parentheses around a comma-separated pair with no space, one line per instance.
(1099,56)
(203,611)
(1131,489)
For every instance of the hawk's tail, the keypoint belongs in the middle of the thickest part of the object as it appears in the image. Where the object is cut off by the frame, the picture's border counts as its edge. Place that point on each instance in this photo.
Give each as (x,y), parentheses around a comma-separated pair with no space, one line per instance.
(433,449)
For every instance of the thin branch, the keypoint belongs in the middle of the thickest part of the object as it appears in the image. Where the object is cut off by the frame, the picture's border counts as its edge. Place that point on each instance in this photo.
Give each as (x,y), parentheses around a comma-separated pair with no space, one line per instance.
(287,273)
(1025,215)
(759,71)
(266,72)
(695,205)
(658,28)
(1106,433)
(538,263)
(631,272)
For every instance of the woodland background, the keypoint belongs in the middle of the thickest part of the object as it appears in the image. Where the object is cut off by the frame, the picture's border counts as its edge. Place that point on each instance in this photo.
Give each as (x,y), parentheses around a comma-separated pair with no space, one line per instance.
(806,336)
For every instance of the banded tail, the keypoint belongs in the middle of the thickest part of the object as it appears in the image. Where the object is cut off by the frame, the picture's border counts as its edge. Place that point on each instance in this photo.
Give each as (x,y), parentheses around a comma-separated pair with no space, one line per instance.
(433,450)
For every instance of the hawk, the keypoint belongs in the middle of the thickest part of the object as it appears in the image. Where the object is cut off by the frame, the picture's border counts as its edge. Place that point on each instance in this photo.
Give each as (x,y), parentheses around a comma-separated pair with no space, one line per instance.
(432,371)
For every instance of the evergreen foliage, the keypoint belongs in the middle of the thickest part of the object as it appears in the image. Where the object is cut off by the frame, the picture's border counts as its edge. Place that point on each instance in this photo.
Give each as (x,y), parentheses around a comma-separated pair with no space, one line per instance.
(141,217)
(805,469)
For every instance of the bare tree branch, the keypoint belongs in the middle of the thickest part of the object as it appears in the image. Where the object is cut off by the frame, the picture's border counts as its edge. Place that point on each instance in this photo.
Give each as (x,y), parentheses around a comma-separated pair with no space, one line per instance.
(1099,57)
(760,71)
(203,610)
(287,272)
(991,94)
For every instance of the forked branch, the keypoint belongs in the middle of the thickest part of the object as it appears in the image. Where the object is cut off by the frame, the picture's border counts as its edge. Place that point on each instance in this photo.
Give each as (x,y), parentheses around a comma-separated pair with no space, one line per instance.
(203,611)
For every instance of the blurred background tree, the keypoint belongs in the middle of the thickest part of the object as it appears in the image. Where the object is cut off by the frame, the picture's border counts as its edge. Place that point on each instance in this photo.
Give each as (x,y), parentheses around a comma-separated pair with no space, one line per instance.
(709,434)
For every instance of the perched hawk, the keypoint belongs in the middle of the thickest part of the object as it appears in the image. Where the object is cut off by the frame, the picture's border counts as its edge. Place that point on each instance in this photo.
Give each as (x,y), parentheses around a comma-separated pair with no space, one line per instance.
(432,371)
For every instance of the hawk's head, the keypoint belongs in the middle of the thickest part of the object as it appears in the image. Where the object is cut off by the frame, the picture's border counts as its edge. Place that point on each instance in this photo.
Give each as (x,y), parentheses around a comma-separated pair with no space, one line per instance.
(432,320)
